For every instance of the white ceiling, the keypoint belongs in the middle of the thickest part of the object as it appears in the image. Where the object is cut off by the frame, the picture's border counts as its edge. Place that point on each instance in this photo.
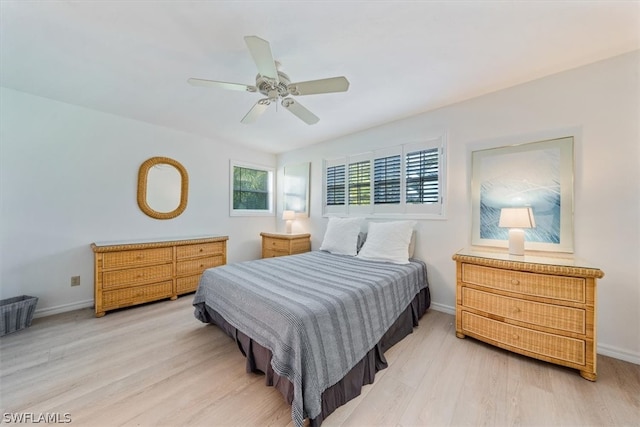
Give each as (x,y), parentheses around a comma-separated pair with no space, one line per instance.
(133,58)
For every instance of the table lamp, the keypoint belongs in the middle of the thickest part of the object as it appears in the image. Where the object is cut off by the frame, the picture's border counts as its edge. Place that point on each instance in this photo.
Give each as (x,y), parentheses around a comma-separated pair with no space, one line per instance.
(515,219)
(289,216)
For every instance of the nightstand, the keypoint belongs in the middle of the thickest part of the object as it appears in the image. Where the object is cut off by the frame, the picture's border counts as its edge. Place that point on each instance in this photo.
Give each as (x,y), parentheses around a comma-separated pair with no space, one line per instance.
(539,306)
(277,244)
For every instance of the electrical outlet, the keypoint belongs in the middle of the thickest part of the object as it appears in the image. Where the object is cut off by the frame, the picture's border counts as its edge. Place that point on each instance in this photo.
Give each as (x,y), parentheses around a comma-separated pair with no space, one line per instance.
(75,280)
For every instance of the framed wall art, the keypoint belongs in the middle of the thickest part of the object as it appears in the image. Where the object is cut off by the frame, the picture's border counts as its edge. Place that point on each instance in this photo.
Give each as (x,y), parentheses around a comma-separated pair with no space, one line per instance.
(538,175)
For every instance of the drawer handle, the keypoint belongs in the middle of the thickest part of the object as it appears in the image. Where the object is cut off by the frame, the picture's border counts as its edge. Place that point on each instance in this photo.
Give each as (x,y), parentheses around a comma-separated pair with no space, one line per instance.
(515,310)
(201,265)
(515,282)
(140,256)
(515,337)
(201,249)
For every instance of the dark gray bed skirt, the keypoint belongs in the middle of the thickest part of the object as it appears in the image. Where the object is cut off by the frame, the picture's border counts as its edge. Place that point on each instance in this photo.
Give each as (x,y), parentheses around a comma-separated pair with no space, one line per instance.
(349,387)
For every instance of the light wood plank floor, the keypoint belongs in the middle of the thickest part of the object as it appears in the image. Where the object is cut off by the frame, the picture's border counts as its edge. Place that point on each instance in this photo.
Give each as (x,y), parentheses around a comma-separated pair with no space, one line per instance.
(157,365)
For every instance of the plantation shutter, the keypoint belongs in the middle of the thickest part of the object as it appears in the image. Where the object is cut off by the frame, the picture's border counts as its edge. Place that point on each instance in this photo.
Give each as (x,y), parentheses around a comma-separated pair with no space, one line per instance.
(360,183)
(422,172)
(336,185)
(387,176)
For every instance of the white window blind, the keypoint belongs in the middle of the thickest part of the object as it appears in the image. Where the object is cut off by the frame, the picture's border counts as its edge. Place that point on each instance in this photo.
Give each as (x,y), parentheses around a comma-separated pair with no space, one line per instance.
(423,176)
(336,180)
(394,181)
(360,183)
(387,174)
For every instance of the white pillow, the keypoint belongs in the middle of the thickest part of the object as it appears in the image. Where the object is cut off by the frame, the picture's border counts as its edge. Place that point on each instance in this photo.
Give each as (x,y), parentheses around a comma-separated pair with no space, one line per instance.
(362,237)
(388,242)
(341,236)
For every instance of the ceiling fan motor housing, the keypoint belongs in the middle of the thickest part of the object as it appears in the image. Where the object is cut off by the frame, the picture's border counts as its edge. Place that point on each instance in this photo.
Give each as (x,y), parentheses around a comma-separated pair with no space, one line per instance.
(266,86)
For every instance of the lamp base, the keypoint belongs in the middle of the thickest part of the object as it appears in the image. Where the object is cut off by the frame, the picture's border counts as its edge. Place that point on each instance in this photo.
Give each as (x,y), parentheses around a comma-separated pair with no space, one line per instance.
(516,241)
(288,225)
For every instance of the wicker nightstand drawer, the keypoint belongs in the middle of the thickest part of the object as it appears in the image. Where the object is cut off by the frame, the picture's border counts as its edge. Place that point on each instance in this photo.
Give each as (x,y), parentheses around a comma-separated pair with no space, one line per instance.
(270,253)
(534,313)
(137,257)
(300,246)
(136,276)
(539,285)
(565,349)
(276,244)
(205,249)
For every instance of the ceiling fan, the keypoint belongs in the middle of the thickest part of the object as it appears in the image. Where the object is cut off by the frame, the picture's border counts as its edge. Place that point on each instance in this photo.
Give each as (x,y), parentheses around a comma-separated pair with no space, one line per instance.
(276,85)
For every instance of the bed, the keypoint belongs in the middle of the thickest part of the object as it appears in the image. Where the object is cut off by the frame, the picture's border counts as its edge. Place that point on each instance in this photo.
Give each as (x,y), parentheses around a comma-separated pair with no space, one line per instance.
(316,324)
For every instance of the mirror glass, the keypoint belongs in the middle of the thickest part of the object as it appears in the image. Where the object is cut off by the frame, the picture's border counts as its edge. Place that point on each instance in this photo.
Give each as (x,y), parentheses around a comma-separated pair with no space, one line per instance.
(296,189)
(162,188)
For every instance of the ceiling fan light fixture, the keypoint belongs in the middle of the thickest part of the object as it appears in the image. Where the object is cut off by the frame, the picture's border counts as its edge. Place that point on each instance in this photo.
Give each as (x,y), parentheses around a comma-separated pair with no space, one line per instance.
(274,84)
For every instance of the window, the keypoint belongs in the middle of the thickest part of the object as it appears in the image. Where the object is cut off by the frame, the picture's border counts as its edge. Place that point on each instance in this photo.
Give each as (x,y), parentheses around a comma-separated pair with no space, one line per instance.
(386,180)
(422,176)
(251,189)
(359,183)
(335,185)
(402,180)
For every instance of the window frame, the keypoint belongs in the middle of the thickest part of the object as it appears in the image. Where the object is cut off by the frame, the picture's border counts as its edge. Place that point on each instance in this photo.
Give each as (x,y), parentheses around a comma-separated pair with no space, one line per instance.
(402,209)
(270,211)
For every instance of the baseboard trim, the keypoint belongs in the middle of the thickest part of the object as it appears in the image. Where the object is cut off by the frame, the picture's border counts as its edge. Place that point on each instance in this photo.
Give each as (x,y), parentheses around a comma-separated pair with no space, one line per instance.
(443,308)
(50,311)
(618,353)
(603,349)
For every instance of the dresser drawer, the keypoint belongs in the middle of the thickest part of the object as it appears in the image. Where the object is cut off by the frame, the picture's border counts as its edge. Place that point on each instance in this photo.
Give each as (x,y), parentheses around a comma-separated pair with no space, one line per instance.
(187,284)
(280,245)
(198,265)
(137,276)
(136,257)
(564,349)
(538,285)
(540,314)
(136,295)
(204,249)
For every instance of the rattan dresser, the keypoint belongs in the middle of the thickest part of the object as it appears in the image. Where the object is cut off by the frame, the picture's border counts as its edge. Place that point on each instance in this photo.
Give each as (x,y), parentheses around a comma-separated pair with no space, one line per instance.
(542,307)
(274,244)
(130,273)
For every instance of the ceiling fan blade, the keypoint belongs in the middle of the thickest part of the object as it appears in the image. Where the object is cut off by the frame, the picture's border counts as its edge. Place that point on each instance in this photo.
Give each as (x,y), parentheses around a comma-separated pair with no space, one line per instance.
(332,84)
(303,114)
(223,85)
(256,111)
(262,56)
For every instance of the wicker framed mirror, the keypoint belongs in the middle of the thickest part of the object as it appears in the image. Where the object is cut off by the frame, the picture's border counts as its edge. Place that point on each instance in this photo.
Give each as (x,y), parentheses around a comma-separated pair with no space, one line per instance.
(163,187)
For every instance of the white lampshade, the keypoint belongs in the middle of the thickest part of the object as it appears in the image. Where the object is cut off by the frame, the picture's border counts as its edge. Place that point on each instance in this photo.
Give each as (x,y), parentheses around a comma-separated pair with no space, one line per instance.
(288,215)
(515,219)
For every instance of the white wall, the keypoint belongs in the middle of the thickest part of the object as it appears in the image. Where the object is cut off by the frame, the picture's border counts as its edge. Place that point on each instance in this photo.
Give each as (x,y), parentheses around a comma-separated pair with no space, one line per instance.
(68,178)
(596,103)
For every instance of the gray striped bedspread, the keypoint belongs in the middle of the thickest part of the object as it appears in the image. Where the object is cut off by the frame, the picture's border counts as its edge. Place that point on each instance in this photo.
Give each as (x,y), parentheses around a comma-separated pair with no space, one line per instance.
(318,313)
